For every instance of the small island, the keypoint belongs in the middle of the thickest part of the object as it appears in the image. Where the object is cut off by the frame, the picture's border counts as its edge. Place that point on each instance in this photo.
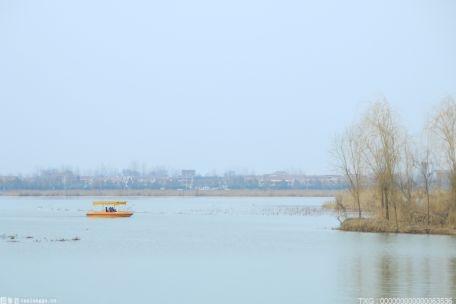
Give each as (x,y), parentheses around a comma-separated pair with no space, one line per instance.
(397,184)
(408,220)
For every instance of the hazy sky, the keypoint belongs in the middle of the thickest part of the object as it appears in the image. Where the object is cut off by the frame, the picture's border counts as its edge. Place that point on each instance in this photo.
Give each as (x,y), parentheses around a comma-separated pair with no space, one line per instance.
(211,85)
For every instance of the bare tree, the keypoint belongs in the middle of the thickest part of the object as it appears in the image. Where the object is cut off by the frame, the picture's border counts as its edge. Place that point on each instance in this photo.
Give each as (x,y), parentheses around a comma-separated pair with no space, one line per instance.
(426,175)
(405,176)
(348,153)
(443,129)
(383,147)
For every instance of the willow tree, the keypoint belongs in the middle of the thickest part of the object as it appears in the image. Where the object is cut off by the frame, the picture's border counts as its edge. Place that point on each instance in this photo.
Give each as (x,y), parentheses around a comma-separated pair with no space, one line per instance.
(443,127)
(347,151)
(383,142)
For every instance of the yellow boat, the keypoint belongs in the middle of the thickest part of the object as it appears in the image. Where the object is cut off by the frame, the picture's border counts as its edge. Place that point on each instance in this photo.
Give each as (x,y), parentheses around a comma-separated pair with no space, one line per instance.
(110,209)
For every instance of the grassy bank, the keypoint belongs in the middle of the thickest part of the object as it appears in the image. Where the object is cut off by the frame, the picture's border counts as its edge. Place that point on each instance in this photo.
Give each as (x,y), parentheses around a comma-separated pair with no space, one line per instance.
(412,216)
(148,192)
(379,225)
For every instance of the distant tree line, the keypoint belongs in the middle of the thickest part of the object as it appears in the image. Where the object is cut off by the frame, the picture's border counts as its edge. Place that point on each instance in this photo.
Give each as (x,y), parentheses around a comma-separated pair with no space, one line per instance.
(65,179)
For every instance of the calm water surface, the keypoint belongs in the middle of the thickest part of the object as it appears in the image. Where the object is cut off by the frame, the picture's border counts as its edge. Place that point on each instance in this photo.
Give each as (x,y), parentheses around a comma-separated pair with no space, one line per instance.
(211,250)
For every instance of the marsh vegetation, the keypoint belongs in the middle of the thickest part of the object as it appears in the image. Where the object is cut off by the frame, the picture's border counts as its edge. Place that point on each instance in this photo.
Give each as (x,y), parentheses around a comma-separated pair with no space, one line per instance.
(398,183)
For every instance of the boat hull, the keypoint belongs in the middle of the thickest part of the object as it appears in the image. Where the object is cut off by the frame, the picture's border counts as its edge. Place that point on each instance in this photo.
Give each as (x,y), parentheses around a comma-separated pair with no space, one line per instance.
(109,214)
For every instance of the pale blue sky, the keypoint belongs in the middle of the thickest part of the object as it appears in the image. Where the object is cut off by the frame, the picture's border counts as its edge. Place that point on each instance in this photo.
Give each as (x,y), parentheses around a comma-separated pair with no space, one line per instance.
(211,85)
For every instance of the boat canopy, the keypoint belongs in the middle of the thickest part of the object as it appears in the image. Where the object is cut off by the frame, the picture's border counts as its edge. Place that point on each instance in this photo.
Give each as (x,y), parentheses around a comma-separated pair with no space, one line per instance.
(109,203)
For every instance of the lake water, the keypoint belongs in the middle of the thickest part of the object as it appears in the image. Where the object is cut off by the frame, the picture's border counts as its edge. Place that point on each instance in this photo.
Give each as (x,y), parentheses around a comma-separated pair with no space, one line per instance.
(211,250)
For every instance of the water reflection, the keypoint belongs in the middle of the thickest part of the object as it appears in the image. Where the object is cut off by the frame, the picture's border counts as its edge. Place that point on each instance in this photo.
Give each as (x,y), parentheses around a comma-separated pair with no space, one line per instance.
(452,270)
(393,266)
(426,274)
(387,277)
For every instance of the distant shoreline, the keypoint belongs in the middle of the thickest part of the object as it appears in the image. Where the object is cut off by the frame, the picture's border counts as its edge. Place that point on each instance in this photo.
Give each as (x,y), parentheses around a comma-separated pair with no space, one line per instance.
(195,193)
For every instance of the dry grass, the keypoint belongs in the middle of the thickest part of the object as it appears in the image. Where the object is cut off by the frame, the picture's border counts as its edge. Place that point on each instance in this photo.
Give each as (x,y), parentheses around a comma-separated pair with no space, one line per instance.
(365,225)
(412,216)
(380,225)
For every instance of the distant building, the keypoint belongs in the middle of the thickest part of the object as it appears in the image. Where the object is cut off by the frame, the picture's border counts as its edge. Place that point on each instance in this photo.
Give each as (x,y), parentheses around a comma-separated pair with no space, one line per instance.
(187,177)
(441,178)
(188,173)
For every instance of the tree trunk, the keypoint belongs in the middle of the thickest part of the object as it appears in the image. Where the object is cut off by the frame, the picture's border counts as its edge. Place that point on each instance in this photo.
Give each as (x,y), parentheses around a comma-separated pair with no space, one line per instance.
(428,202)
(359,206)
(395,215)
(387,216)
